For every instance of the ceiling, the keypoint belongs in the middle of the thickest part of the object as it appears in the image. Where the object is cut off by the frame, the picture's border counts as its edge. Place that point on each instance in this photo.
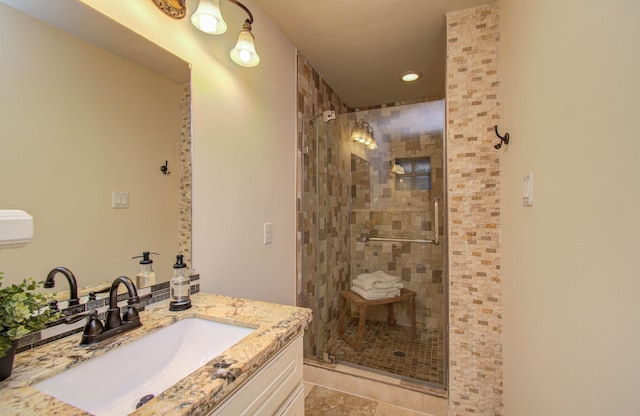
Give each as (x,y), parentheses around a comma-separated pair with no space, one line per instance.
(359,47)
(362,47)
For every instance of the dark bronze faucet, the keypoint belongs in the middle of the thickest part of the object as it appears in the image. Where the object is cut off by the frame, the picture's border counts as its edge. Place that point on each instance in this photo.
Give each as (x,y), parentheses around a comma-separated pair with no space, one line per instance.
(130,314)
(95,331)
(73,284)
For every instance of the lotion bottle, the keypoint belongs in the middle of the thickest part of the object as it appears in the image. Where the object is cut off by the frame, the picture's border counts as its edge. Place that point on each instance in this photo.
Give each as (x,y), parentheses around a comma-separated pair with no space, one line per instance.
(180,286)
(147,276)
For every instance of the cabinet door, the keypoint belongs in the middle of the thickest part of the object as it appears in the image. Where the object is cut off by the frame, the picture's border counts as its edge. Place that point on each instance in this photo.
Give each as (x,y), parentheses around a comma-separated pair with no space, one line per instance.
(271,389)
(295,406)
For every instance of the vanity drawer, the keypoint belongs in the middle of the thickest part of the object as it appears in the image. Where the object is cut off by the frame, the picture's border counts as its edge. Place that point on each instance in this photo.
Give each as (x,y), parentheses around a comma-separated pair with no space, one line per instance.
(274,390)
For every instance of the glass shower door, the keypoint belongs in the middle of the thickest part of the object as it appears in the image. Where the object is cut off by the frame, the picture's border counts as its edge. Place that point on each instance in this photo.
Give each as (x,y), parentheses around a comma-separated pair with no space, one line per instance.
(314,235)
(363,214)
(394,227)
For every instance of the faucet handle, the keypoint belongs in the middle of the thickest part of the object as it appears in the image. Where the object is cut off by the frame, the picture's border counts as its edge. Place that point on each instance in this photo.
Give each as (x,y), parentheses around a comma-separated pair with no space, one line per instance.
(130,314)
(93,326)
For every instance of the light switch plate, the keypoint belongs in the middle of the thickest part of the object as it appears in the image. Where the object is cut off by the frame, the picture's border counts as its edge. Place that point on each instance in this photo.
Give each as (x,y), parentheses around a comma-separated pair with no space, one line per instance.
(268,233)
(119,200)
(527,190)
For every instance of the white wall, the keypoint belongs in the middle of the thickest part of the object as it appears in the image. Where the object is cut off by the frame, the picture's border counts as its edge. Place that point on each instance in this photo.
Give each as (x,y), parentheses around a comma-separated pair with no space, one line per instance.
(571,269)
(243,148)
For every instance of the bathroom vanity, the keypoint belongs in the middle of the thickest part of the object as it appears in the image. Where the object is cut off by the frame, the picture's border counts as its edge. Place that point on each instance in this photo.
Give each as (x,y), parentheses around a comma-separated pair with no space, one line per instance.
(260,374)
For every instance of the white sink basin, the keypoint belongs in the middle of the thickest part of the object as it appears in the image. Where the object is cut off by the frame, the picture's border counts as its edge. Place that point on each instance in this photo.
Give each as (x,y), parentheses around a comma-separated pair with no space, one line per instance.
(114,383)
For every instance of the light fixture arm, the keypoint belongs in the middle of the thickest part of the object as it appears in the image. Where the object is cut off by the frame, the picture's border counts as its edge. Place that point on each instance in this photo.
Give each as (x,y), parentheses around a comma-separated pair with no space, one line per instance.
(243,7)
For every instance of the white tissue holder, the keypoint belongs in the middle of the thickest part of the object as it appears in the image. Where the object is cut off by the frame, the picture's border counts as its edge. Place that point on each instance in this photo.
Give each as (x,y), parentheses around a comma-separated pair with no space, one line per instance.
(16,228)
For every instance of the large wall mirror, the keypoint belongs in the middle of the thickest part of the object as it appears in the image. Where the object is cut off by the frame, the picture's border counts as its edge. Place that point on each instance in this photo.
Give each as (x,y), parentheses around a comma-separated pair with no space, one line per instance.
(79,121)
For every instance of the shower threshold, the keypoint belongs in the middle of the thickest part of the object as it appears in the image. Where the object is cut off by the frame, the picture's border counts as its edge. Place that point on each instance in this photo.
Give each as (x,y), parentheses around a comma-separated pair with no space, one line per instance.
(376,386)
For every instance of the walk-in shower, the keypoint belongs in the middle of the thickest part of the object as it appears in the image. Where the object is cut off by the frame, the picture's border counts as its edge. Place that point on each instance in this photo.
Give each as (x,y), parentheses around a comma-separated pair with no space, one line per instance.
(377,208)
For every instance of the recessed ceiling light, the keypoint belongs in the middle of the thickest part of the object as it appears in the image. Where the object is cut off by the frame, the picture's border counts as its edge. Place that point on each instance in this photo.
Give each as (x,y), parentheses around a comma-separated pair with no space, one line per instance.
(411,76)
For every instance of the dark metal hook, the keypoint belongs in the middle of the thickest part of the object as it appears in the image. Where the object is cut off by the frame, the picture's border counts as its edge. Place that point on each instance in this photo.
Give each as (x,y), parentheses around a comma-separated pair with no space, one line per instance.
(503,139)
(165,169)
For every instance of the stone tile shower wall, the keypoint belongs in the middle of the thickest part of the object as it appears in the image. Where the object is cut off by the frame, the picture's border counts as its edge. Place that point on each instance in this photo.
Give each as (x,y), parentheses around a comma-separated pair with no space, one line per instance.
(379,210)
(318,227)
(475,291)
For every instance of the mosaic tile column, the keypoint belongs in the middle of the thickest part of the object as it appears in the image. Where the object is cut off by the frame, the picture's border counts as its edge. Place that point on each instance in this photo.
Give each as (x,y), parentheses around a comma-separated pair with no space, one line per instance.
(184,204)
(475,291)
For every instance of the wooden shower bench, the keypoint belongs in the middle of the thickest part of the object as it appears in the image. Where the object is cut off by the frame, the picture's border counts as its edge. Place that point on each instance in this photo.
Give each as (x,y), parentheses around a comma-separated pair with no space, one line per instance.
(362,303)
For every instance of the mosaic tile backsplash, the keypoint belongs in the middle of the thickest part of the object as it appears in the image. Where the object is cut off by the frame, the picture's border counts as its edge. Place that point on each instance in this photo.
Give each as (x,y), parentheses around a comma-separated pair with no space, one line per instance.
(184,199)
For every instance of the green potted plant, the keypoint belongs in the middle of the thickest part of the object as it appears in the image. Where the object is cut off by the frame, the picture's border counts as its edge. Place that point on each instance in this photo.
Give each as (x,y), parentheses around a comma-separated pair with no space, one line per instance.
(22,310)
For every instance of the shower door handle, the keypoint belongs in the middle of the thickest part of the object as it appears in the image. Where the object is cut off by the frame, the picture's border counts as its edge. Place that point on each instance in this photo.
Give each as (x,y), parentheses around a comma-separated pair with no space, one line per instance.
(436,239)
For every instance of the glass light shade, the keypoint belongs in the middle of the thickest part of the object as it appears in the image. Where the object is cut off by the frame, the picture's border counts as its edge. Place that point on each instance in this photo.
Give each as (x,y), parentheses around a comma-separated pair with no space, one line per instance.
(357,134)
(398,168)
(373,145)
(244,54)
(208,18)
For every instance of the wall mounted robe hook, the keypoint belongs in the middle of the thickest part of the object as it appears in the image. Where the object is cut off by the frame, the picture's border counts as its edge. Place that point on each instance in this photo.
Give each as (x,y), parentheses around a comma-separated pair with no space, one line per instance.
(165,169)
(503,139)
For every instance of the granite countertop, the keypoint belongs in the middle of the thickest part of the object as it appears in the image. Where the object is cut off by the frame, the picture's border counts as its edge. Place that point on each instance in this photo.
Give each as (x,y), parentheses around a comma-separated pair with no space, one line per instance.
(197,394)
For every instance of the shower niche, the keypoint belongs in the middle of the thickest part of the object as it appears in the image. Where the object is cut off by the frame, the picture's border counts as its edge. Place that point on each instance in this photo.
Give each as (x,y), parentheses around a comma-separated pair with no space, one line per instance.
(355,206)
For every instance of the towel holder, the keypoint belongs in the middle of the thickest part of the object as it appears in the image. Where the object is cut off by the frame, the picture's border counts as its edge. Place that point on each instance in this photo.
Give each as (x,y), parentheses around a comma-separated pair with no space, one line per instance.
(436,241)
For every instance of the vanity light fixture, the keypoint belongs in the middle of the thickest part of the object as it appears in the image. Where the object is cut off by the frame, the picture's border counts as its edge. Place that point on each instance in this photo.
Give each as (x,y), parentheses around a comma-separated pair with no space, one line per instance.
(208,19)
(363,133)
(411,76)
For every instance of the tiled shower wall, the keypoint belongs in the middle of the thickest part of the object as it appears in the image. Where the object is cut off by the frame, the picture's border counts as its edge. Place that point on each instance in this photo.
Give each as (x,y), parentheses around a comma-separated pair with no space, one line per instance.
(379,210)
(475,291)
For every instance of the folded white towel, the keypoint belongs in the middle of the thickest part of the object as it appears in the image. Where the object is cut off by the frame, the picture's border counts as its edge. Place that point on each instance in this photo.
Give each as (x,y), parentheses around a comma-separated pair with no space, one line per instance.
(378,277)
(376,293)
(388,285)
(377,285)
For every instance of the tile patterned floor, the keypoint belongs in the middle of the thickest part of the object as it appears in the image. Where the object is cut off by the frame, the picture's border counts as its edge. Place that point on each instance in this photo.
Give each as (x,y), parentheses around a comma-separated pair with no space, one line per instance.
(320,401)
(391,350)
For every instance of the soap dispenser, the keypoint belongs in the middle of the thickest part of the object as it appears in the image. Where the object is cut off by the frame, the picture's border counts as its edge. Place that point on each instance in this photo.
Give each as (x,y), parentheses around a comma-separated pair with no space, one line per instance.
(147,276)
(180,286)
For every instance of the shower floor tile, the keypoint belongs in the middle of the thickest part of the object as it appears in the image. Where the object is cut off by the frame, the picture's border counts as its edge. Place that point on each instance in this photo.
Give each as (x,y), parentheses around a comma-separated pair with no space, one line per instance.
(390,350)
